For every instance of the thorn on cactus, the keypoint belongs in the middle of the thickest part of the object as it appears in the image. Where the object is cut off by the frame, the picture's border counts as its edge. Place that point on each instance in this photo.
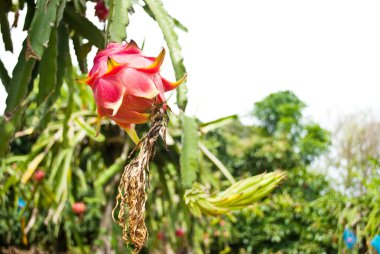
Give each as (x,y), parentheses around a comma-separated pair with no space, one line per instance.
(111,64)
(155,66)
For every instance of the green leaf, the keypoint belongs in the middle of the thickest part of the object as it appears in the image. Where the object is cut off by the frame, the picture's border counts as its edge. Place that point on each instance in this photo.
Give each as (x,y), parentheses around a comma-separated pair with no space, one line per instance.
(57,164)
(21,4)
(81,51)
(60,11)
(63,55)
(18,85)
(40,29)
(32,166)
(29,14)
(84,27)
(179,25)
(188,160)
(35,72)
(4,76)
(106,175)
(118,20)
(209,126)
(81,183)
(217,163)
(64,177)
(7,129)
(5,28)
(90,131)
(167,26)
(80,5)
(48,69)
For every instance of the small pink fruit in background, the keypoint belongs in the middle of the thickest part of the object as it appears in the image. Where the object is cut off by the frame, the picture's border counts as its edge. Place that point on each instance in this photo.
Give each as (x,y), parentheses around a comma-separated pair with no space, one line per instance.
(39,175)
(127,85)
(101,10)
(160,235)
(180,232)
(78,208)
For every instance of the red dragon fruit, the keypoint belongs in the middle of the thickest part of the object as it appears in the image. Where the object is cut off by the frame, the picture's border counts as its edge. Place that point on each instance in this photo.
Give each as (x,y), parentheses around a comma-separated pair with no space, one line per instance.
(127,85)
(101,10)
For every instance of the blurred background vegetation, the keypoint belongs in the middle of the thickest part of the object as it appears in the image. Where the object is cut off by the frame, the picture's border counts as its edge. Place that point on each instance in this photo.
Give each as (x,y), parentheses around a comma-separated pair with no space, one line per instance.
(58,179)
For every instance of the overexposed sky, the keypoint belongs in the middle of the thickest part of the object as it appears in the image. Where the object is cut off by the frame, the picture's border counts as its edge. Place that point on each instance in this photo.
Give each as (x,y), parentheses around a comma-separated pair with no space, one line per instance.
(237,52)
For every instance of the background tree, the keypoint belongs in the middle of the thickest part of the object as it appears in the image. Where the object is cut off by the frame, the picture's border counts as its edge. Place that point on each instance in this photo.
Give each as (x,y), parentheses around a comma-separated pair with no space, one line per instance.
(357,151)
(296,220)
(356,159)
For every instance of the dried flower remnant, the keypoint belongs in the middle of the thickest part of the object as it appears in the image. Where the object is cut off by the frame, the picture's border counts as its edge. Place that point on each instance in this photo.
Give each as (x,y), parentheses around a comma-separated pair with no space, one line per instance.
(132,194)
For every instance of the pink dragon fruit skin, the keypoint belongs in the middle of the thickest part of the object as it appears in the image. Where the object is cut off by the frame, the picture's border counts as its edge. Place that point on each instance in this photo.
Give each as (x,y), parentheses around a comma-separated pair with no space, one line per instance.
(127,85)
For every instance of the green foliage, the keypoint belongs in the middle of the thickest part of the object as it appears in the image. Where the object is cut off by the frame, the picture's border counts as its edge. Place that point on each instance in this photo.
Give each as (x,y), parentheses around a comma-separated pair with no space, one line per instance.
(48,203)
(281,140)
(293,220)
(46,30)
(189,153)
(362,216)
(49,126)
(21,78)
(288,225)
(167,25)
(48,69)
(118,20)
(4,76)
(42,24)
(5,7)
(358,148)
(41,19)
(80,166)
(84,27)
(280,112)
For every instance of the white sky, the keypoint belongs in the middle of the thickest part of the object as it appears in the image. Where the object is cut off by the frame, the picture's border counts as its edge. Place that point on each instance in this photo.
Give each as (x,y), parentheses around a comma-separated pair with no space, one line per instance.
(237,52)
